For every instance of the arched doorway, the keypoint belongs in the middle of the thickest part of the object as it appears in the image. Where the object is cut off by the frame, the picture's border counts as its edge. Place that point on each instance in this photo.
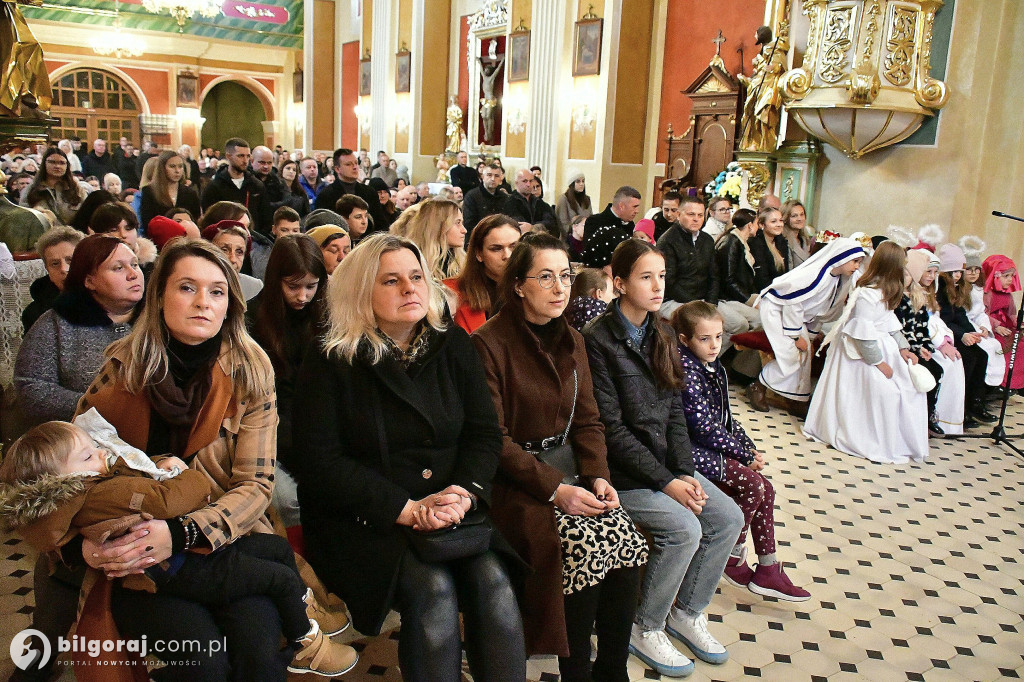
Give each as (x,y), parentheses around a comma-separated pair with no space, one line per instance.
(232,110)
(93,103)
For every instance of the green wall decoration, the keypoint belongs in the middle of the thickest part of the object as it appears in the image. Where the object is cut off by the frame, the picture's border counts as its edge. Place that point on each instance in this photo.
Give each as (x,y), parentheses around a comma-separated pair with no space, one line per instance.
(232,110)
(133,16)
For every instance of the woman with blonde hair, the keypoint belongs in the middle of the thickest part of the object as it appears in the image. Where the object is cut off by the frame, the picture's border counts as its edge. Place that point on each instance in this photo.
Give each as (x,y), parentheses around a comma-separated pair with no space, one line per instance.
(438,230)
(396,442)
(190,381)
(797,232)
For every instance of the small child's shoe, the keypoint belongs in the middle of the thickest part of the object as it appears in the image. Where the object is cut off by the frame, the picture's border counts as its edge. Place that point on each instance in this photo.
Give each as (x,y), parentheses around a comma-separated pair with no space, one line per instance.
(331,622)
(318,654)
(771,581)
(737,572)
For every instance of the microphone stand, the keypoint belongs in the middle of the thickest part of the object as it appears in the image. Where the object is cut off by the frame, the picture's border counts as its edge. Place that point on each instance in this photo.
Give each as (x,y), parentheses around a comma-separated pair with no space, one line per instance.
(999,435)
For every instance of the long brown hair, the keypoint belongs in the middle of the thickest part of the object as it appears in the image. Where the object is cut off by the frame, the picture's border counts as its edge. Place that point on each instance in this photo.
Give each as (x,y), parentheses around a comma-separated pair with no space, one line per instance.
(161,185)
(473,287)
(67,185)
(292,258)
(885,273)
(223,210)
(957,293)
(668,373)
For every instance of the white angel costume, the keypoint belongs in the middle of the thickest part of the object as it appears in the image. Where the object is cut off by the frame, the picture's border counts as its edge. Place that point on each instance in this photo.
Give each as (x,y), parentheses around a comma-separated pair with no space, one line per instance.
(949,402)
(795,306)
(855,409)
(996,368)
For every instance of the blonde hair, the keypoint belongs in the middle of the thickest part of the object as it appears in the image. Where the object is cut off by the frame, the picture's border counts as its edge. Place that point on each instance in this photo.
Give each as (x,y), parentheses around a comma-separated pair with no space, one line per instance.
(921,297)
(148,171)
(351,320)
(146,345)
(42,451)
(400,227)
(427,229)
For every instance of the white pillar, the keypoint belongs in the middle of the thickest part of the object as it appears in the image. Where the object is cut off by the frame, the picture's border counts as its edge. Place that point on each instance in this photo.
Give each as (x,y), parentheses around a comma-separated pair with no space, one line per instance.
(380,85)
(545,48)
(307,77)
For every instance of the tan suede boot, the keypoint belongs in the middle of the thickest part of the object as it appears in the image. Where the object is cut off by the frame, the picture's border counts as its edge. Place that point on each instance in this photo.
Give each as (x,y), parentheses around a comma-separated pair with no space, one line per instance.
(319,655)
(331,622)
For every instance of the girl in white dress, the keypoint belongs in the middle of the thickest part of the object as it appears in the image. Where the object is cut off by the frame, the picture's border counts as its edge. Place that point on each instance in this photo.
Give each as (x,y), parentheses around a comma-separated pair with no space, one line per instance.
(793,308)
(865,403)
(974,248)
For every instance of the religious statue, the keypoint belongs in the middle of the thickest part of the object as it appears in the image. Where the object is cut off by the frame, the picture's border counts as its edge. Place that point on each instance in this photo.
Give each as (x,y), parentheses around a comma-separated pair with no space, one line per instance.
(454,128)
(488,103)
(763,107)
(24,83)
(20,227)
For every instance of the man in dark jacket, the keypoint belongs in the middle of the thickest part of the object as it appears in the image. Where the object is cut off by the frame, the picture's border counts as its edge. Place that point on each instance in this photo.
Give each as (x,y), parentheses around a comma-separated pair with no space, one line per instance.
(529,209)
(235,182)
(263,169)
(125,163)
(669,214)
(463,176)
(98,162)
(604,231)
(346,173)
(485,200)
(690,270)
(150,150)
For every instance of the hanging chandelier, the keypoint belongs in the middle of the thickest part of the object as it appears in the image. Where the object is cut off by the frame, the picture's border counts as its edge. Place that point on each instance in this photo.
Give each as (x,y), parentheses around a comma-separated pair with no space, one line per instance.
(183,10)
(117,43)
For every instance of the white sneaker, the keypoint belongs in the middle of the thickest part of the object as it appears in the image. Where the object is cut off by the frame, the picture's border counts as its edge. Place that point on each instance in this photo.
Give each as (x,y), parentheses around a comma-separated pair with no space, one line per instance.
(654,648)
(693,632)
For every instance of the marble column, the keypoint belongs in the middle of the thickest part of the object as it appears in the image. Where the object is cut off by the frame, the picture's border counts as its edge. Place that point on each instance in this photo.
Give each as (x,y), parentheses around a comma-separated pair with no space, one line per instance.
(545,48)
(381,88)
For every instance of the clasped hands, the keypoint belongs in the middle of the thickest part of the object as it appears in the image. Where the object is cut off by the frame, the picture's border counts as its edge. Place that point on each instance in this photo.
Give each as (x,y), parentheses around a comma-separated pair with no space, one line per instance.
(577,501)
(687,491)
(438,510)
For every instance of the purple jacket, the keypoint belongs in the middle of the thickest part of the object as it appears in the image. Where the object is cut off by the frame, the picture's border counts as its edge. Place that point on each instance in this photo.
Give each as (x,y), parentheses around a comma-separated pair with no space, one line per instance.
(714,434)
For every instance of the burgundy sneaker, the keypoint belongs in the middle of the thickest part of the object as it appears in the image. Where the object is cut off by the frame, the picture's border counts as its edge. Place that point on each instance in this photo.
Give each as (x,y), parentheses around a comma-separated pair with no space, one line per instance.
(771,581)
(737,572)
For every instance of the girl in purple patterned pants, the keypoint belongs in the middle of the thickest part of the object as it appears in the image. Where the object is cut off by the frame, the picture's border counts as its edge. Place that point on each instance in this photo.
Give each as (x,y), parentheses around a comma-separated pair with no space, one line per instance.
(723,452)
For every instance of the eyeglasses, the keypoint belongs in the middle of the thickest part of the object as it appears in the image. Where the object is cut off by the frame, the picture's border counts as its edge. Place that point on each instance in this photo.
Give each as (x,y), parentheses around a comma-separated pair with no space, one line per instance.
(547,280)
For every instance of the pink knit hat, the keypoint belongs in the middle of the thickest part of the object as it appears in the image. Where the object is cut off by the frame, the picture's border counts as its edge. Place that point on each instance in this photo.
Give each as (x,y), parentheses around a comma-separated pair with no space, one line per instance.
(646,226)
(951,258)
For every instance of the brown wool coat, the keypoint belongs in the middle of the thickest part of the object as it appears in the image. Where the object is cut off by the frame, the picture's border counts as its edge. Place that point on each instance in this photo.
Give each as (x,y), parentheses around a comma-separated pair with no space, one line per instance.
(532,393)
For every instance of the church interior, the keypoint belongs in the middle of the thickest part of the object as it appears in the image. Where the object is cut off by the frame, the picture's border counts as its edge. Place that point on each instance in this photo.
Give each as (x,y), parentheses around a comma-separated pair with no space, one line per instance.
(872,113)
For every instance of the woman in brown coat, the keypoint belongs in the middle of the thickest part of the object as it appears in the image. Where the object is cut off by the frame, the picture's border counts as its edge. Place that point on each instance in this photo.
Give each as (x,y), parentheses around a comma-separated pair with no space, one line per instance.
(583,549)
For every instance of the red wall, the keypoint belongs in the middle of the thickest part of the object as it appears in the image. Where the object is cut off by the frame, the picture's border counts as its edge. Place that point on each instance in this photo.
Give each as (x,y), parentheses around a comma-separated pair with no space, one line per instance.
(689,29)
(349,94)
(464,70)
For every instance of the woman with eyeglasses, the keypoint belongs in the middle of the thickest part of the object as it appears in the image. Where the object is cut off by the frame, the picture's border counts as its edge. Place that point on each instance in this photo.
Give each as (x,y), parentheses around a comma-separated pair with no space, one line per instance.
(584,551)
(54,188)
(719,215)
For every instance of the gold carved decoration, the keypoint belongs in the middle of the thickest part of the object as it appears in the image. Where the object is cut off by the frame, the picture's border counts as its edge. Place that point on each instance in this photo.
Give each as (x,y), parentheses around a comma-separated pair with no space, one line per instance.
(713,85)
(865,80)
(900,61)
(837,42)
(758,178)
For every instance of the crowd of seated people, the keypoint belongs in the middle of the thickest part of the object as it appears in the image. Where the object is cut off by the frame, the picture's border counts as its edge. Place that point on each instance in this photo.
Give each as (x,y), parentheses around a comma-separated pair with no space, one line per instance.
(445,414)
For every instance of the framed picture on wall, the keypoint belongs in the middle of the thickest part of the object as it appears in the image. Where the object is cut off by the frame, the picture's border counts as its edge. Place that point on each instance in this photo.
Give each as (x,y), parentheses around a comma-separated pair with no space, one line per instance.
(364,76)
(586,58)
(188,89)
(297,81)
(403,71)
(519,61)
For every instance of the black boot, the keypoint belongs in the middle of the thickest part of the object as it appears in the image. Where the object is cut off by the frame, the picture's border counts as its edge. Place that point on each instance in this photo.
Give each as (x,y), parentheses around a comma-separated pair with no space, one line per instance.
(980,414)
(934,430)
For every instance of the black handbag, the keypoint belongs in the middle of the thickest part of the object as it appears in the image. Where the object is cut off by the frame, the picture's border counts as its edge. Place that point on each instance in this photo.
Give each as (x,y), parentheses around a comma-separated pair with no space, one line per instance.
(471,537)
(561,456)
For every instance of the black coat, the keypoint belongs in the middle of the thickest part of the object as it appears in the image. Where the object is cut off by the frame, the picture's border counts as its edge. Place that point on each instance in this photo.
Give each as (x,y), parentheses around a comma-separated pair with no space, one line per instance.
(662,225)
(150,206)
(252,194)
(954,316)
(736,276)
(465,177)
(440,429)
(606,219)
(644,425)
(275,189)
(98,165)
(532,210)
(329,195)
(479,204)
(765,271)
(691,273)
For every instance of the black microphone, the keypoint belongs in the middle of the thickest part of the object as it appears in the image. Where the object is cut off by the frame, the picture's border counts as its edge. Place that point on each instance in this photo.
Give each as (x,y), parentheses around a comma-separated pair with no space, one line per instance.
(1000,214)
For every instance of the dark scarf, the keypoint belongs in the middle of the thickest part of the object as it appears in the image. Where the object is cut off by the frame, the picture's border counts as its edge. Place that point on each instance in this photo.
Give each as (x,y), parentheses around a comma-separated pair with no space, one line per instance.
(177,399)
(78,307)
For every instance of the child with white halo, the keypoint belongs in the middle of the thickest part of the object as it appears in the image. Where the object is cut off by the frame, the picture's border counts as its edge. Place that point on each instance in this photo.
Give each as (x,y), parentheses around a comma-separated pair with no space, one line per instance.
(973,248)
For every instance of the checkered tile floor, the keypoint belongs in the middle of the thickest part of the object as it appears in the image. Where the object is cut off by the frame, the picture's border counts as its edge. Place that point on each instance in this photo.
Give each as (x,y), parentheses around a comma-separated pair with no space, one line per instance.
(916,571)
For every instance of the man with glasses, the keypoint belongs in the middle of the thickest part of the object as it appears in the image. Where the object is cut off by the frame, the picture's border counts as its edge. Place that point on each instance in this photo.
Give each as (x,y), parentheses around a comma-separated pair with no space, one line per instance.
(719,216)
(690,270)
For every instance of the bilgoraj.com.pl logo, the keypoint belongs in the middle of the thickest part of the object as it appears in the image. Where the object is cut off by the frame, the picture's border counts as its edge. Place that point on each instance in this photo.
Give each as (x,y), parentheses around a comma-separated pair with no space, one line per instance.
(26,654)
